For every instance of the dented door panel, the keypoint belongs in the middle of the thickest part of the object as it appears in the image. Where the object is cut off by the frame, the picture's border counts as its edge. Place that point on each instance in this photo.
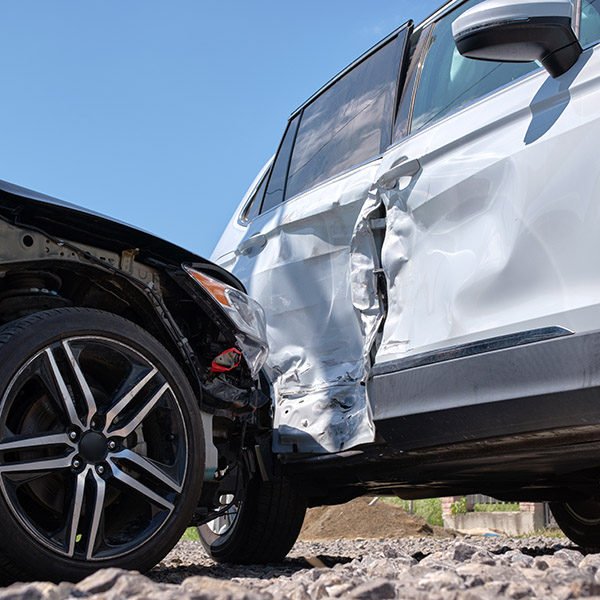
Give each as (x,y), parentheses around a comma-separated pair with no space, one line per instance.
(301,277)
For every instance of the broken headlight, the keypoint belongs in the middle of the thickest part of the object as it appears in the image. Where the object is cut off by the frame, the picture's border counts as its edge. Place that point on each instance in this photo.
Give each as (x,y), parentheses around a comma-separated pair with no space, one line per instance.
(245,313)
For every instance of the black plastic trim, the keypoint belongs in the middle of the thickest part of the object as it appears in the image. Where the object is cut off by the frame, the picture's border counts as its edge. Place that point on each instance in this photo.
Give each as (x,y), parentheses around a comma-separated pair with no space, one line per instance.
(550,40)
(513,417)
(471,349)
(534,387)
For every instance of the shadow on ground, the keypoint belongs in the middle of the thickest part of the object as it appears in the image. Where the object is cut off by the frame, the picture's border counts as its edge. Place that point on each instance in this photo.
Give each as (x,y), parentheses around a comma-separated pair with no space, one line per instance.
(176,574)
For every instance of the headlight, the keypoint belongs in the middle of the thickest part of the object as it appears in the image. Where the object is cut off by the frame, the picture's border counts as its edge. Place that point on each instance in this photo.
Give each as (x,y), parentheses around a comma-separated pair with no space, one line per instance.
(244,312)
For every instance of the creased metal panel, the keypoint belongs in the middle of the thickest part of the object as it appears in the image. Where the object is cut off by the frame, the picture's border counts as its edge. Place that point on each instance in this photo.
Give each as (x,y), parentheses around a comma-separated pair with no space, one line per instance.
(301,277)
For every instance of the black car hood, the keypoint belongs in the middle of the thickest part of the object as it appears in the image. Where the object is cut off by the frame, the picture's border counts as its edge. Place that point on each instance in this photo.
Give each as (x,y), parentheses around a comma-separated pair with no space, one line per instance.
(77,224)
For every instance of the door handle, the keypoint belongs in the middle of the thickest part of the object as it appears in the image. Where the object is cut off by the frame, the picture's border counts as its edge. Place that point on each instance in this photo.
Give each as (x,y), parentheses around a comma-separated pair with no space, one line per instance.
(401,168)
(258,241)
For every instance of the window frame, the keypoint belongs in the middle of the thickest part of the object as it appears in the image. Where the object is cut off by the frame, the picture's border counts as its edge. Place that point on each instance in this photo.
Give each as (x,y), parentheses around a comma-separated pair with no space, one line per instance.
(287,168)
(298,112)
(405,94)
(243,218)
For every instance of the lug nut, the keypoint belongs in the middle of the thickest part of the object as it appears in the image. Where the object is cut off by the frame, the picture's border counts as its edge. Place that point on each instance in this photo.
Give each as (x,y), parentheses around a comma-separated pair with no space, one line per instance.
(76,463)
(93,424)
(72,435)
(99,469)
(112,445)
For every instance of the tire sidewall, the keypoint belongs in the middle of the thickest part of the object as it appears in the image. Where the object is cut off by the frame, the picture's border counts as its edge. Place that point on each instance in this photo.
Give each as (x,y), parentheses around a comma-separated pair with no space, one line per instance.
(222,546)
(584,534)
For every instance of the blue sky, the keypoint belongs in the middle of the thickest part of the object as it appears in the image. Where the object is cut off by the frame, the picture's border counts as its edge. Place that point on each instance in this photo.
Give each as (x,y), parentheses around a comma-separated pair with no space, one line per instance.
(160,113)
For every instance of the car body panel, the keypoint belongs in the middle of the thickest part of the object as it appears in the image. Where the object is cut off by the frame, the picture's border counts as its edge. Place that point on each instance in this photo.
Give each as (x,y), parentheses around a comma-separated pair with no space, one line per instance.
(89,227)
(488,235)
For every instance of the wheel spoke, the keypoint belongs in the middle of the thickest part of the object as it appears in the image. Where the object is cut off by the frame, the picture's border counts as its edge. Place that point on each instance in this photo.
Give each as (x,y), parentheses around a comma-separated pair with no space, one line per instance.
(116,410)
(35,442)
(76,509)
(83,384)
(145,465)
(97,515)
(141,414)
(66,398)
(80,463)
(43,464)
(141,488)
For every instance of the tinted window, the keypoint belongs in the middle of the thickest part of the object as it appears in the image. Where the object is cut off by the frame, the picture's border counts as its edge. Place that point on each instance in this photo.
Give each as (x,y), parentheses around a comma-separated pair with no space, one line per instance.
(589,29)
(449,81)
(276,186)
(349,122)
(253,207)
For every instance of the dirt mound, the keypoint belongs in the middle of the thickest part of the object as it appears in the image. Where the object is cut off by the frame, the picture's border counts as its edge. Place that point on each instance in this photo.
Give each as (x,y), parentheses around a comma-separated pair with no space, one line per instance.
(363,518)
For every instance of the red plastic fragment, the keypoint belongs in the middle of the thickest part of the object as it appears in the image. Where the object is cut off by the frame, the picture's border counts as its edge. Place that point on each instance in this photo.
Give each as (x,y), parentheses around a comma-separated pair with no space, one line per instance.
(226,361)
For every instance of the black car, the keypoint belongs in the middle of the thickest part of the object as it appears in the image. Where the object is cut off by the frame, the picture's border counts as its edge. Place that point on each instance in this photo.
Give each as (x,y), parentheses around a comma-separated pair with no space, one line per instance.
(131,396)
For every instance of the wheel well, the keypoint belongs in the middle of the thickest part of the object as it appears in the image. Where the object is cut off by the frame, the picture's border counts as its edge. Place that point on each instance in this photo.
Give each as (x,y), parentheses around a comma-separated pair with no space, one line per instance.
(27,291)
(34,287)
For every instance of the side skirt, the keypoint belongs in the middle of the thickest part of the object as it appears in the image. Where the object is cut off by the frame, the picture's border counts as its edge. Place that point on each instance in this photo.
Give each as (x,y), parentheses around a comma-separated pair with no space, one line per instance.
(489,389)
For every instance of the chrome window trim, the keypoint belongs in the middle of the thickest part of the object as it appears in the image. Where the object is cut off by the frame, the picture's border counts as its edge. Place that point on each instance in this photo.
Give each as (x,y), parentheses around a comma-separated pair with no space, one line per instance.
(417,81)
(577,6)
(265,171)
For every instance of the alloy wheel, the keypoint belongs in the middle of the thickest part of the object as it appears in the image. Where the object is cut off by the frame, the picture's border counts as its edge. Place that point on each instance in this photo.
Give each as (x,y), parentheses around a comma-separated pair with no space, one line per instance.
(93,447)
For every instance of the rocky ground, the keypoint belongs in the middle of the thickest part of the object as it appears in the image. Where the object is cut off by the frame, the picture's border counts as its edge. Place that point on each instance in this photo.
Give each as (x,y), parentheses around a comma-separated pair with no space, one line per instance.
(465,568)
(432,564)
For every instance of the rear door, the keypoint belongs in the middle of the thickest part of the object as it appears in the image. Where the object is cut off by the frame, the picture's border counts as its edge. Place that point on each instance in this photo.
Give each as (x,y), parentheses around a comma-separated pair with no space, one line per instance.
(292,240)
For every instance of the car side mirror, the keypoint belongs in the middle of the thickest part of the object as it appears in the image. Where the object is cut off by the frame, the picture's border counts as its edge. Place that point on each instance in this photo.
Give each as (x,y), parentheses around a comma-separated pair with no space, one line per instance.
(516,31)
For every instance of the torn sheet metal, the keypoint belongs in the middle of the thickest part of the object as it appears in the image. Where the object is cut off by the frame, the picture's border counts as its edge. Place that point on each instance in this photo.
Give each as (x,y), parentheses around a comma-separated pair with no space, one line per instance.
(365,249)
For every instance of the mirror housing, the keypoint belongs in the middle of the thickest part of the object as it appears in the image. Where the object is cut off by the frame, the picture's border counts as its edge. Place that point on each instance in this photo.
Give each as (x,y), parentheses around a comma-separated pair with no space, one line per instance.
(515,31)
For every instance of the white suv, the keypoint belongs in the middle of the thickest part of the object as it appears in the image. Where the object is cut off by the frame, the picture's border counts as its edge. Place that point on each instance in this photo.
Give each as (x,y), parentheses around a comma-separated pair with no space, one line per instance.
(426,246)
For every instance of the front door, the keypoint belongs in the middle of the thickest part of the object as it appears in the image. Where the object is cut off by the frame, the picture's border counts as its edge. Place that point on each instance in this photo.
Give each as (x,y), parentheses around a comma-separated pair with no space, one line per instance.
(492,229)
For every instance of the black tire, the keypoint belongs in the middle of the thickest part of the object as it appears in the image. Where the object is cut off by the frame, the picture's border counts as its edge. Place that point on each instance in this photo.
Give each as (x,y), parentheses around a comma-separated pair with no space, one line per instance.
(101,446)
(579,521)
(264,526)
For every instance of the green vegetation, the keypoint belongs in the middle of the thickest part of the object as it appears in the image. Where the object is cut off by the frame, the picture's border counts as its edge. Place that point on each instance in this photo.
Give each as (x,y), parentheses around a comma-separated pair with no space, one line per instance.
(551,532)
(190,534)
(459,507)
(496,507)
(430,508)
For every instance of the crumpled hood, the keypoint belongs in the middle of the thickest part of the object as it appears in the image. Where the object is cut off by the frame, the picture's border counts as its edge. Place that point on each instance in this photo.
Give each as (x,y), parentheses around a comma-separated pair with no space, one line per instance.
(78,224)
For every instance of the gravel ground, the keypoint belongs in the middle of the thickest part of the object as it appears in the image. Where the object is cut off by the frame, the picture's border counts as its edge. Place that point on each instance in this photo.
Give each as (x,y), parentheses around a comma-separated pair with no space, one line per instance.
(470,567)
